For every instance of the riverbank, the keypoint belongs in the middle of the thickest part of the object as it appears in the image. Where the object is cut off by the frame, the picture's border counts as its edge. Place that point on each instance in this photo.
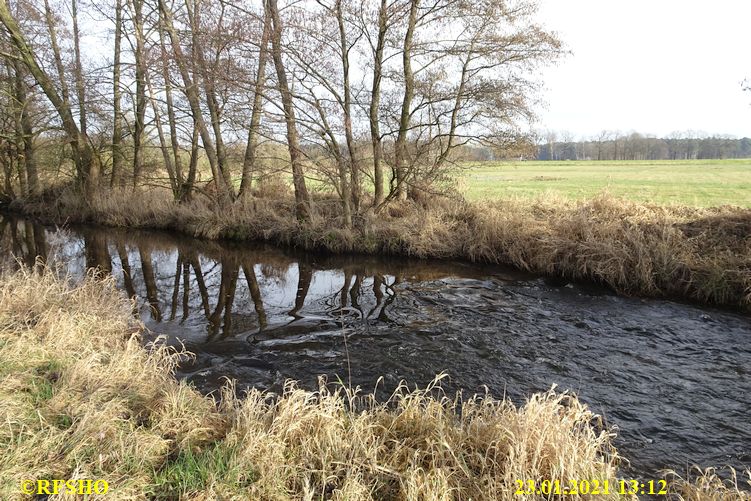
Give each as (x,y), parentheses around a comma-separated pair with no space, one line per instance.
(698,254)
(81,399)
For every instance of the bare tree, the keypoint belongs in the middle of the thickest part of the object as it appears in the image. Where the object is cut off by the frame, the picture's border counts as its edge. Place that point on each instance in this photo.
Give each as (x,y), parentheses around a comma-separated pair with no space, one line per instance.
(250,158)
(117,118)
(223,194)
(86,162)
(302,199)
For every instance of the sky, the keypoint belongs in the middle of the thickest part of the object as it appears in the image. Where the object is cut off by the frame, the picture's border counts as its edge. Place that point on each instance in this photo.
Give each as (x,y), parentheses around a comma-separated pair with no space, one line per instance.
(651,66)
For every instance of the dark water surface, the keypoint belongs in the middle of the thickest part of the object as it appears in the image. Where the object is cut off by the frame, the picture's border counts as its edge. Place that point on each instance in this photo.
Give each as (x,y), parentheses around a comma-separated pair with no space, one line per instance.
(674,378)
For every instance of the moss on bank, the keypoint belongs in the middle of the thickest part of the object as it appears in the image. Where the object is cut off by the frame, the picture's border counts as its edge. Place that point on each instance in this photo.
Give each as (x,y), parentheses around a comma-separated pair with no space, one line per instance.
(637,249)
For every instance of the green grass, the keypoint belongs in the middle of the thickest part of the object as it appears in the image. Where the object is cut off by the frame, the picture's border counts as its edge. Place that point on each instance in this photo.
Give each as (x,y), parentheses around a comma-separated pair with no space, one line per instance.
(700,183)
(196,471)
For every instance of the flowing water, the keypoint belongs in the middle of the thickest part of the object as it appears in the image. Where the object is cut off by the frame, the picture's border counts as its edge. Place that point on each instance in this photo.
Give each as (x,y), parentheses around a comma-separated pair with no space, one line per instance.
(674,378)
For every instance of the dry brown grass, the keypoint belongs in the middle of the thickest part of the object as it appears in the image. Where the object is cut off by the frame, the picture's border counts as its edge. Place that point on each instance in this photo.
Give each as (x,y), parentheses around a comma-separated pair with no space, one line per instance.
(707,485)
(637,249)
(80,398)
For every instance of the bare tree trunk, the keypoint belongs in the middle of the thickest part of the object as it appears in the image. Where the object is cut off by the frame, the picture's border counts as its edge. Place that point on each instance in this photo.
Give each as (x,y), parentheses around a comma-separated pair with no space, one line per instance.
(8,191)
(140,115)
(445,152)
(409,90)
(78,71)
(27,169)
(17,103)
(117,123)
(56,52)
(302,199)
(191,93)
(163,142)
(212,103)
(187,191)
(375,99)
(28,151)
(171,110)
(345,192)
(355,184)
(18,138)
(249,161)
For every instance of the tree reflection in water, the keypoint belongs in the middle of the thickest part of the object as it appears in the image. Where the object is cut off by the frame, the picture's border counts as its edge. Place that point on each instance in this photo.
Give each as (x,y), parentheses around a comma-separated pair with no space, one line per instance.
(233,290)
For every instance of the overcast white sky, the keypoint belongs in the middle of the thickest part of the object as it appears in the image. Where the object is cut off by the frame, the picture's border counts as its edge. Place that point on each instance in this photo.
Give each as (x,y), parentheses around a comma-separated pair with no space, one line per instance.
(654,66)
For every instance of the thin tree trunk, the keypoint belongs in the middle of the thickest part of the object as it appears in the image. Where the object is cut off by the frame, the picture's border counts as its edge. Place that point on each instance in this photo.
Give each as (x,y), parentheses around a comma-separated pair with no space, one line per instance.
(455,111)
(140,112)
(78,71)
(409,90)
(117,126)
(163,142)
(249,161)
(344,188)
(171,110)
(191,93)
(17,104)
(8,190)
(56,52)
(26,130)
(375,99)
(211,101)
(355,185)
(302,199)
(187,190)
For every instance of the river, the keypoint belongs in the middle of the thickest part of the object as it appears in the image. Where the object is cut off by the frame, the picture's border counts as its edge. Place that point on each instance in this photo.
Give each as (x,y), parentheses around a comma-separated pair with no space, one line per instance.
(674,378)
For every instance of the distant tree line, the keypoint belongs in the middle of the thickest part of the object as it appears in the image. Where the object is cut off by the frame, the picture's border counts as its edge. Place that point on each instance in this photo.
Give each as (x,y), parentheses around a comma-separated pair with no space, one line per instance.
(634,146)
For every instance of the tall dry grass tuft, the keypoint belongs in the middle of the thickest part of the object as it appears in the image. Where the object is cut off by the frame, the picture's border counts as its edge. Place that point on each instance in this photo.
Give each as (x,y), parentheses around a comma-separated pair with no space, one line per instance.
(636,249)
(707,485)
(81,398)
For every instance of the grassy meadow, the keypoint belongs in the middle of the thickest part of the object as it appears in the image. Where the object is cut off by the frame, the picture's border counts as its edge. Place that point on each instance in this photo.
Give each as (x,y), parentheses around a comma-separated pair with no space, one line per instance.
(697,183)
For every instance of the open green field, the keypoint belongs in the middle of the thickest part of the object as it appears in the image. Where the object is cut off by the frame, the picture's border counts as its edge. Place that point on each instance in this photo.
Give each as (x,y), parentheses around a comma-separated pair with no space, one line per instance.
(701,183)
